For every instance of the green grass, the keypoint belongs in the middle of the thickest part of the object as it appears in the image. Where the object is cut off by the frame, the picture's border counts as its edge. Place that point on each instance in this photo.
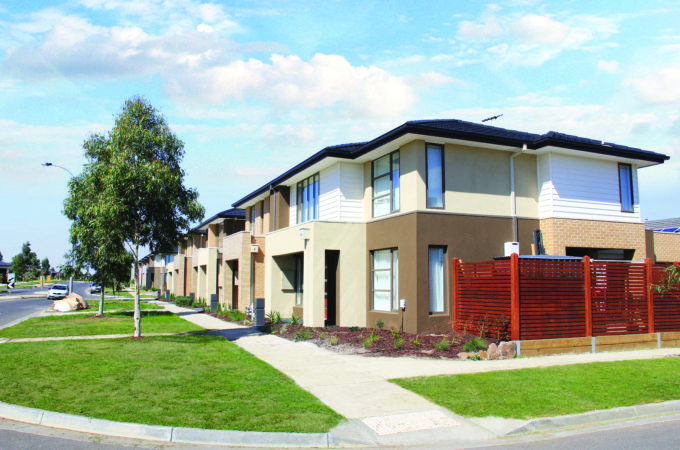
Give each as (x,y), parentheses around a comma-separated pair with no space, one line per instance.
(552,391)
(122,293)
(88,325)
(182,381)
(128,305)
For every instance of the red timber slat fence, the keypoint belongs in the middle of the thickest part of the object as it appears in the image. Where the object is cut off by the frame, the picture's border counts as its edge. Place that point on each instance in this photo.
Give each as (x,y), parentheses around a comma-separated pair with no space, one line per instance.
(522,299)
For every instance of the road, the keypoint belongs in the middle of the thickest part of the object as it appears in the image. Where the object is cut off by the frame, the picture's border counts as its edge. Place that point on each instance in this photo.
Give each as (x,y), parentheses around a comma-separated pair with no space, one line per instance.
(12,310)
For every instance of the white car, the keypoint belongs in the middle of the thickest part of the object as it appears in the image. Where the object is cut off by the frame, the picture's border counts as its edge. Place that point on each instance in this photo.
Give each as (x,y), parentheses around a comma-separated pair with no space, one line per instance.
(57,291)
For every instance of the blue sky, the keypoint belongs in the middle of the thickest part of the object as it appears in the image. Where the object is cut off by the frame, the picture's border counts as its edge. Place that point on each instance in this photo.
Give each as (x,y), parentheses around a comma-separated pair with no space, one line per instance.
(253,87)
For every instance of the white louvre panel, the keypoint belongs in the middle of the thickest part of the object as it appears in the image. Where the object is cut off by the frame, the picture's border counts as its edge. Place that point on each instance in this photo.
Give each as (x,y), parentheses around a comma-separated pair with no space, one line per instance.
(341,193)
(582,188)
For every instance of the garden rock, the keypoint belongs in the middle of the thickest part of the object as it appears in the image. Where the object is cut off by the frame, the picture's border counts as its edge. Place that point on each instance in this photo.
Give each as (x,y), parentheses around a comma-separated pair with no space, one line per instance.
(464,355)
(482,354)
(493,351)
(508,350)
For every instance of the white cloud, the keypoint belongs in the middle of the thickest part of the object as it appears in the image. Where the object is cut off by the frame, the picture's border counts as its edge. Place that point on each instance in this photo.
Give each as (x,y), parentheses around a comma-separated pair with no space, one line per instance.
(325,81)
(608,66)
(662,87)
(531,39)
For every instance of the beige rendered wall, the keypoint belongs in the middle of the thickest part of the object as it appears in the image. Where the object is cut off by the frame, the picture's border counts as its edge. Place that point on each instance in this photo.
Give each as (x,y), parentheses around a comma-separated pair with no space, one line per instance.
(477,181)
(350,240)
(561,233)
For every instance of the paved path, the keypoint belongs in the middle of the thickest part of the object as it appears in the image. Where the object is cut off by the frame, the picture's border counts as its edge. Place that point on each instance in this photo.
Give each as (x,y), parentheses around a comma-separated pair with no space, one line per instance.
(358,388)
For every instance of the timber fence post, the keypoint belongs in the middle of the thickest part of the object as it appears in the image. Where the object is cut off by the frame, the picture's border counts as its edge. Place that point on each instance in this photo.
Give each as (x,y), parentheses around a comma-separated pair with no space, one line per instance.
(454,296)
(587,274)
(650,295)
(514,296)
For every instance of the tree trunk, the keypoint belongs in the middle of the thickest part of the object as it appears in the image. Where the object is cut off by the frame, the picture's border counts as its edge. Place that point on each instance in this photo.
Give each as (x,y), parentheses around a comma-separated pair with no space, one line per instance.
(101,302)
(137,316)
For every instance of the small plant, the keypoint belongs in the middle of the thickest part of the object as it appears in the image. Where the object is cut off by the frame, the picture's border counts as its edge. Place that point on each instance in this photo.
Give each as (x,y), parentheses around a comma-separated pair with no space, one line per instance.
(366,343)
(294,320)
(373,337)
(453,340)
(302,335)
(334,340)
(416,342)
(183,301)
(474,345)
(474,357)
(379,324)
(395,334)
(353,328)
(398,342)
(274,317)
(321,336)
(443,344)
(483,326)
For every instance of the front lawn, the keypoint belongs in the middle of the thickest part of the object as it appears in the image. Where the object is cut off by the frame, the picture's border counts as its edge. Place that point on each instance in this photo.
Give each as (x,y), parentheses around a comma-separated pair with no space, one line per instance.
(89,325)
(128,305)
(552,391)
(182,381)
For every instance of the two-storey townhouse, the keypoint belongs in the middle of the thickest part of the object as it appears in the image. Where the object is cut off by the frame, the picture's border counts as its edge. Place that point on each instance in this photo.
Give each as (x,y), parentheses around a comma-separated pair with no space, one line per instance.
(152,271)
(355,229)
(198,268)
(663,240)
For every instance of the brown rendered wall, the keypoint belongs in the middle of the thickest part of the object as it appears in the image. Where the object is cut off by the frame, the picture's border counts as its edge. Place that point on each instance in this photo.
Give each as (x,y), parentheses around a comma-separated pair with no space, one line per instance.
(561,233)
(282,207)
(470,238)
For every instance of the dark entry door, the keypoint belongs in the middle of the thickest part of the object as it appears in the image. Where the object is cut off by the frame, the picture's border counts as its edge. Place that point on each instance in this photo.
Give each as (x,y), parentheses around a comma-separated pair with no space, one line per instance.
(331,287)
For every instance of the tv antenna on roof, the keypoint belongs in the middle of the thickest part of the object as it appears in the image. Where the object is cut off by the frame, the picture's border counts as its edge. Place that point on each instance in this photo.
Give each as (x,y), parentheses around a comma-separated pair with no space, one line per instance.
(492,118)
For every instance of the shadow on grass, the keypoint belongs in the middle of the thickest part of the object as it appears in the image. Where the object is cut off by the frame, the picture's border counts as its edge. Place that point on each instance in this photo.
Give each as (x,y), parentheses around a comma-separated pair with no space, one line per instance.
(144,313)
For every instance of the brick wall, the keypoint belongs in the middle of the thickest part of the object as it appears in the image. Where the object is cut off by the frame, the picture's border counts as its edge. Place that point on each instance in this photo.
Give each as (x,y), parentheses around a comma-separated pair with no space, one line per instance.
(667,247)
(561,233)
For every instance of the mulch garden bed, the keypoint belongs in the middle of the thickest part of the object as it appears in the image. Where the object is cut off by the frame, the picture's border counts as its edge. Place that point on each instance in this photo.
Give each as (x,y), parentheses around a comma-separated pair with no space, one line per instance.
(384,342)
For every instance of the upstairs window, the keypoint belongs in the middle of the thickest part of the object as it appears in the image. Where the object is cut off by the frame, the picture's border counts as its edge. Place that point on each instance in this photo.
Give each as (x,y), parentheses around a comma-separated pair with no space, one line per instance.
(385,182)
(626,187)
(435,176)
(308,199)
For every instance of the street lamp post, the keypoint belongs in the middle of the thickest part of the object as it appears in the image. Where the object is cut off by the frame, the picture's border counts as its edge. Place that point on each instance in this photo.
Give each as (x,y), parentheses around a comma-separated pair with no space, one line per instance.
(49,164)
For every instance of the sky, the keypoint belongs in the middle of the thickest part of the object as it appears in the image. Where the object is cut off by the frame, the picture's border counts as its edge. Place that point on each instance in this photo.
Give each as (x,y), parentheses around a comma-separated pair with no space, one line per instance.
(254,87)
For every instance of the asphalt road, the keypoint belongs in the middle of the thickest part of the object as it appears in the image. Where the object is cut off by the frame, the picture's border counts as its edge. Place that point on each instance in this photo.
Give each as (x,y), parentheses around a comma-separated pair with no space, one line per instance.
(14,309)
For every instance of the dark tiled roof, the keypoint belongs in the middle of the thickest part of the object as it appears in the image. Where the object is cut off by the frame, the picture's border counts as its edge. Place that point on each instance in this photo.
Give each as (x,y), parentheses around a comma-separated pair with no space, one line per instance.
(233,213)
(467,131)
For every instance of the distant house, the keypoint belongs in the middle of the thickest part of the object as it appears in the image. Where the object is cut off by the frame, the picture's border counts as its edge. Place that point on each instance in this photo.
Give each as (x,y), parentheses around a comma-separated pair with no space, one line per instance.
(4,270)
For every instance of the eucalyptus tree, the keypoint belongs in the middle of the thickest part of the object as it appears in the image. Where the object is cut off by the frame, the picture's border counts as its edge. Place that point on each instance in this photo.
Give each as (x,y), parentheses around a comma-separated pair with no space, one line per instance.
(134,191)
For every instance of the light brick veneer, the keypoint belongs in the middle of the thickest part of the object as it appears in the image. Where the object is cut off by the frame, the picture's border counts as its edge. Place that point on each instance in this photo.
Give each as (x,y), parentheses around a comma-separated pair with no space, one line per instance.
(561,233)
(667,247)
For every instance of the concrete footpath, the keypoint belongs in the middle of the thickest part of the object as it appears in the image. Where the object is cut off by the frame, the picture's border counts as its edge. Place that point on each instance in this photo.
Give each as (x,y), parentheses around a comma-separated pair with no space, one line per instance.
(378,413)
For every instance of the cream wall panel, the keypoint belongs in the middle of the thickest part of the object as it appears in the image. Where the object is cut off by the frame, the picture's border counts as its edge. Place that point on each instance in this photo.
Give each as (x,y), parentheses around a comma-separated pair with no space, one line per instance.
(292,218)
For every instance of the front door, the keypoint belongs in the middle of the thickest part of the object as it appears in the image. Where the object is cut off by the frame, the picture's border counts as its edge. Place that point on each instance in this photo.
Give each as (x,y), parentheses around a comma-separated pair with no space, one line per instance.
(331,287)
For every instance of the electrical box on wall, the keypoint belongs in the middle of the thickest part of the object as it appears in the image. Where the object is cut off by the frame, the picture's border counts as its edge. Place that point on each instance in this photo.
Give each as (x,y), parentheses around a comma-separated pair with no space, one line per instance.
(511,247)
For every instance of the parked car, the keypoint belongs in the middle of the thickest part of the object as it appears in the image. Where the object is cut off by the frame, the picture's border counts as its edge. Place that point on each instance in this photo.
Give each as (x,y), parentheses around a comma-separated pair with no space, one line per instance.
(57,291)
(95,288)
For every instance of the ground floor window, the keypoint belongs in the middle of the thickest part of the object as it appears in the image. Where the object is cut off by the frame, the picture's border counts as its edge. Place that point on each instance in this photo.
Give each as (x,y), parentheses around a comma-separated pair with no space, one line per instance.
(436,279)
(385,275)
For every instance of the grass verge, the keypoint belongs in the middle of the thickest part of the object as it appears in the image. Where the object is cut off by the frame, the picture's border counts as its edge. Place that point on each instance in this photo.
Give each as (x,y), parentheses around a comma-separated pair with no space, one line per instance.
(122,293)
(89,325)
(128,305)
(552,391)
(181,381)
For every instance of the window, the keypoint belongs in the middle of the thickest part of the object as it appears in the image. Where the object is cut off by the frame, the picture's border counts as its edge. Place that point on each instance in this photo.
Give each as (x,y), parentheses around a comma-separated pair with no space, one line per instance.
(308,199)
(436,279)
(299,278)
(385,275)
(386,184)
(626,187)
(435,176)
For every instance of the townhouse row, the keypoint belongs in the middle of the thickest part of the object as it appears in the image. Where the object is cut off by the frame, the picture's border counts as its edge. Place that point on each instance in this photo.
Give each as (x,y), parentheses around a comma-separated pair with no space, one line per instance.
(367,231)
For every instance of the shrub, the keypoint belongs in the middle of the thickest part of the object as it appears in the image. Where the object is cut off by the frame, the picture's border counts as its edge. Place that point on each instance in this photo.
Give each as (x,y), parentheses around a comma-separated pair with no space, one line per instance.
(183,301)
(398,343)
(294,320)
(416,342)
(302,335)
(353,328)
(373,337)
(334,340)
(395,334)
(321,336)
(379,324)
(443,344)
(274,317)
(366,343)
(475,344)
